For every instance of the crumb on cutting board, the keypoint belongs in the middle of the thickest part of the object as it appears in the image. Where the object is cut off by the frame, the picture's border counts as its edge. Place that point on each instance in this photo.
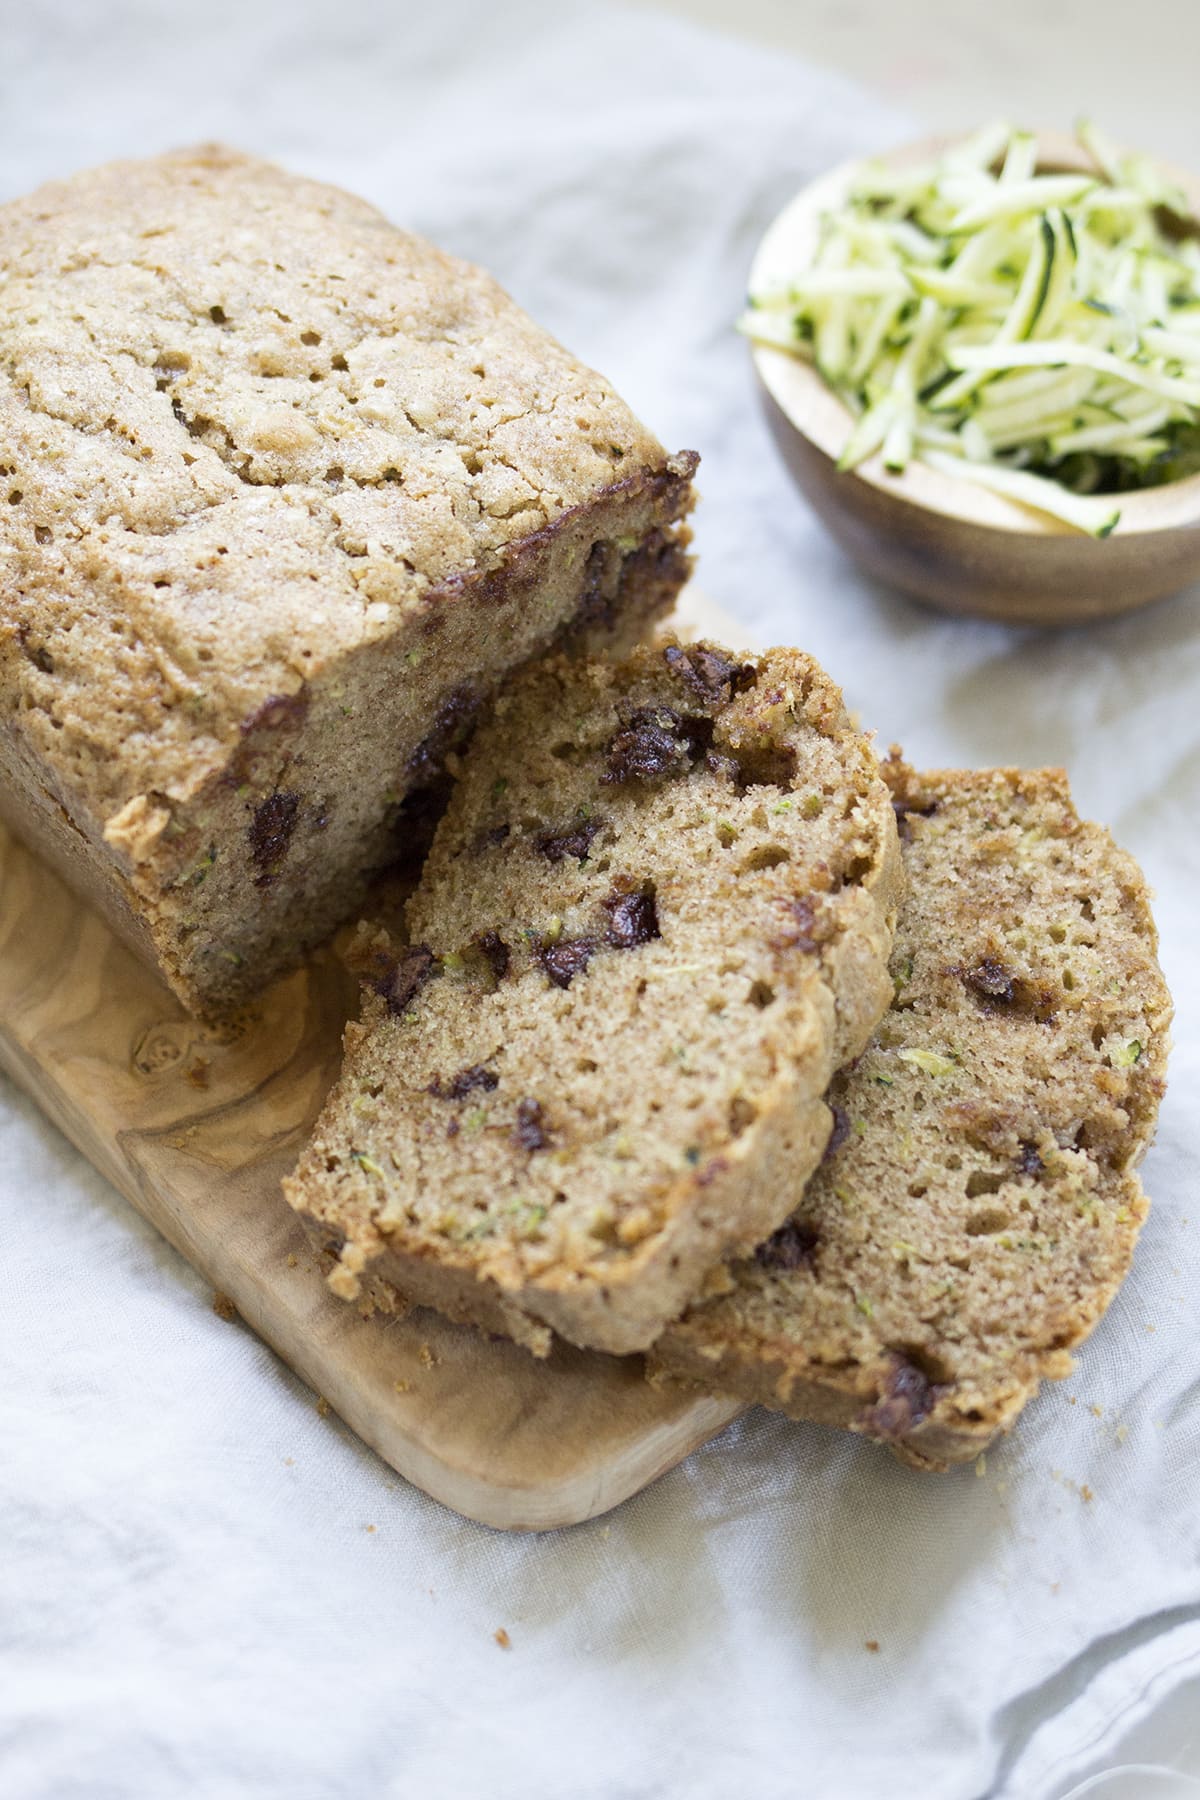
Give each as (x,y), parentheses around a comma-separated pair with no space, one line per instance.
(223,1306)
(503,1639)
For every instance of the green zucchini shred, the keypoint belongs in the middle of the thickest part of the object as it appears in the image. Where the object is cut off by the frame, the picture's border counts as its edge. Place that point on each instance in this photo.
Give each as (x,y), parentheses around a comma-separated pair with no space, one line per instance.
(1035,333)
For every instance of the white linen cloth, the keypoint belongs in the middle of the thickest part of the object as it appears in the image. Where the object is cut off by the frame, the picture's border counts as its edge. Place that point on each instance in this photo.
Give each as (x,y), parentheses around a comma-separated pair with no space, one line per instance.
(193,1600)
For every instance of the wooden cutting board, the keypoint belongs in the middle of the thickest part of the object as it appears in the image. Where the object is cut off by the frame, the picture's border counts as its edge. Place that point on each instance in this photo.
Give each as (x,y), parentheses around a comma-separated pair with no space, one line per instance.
(196,1129)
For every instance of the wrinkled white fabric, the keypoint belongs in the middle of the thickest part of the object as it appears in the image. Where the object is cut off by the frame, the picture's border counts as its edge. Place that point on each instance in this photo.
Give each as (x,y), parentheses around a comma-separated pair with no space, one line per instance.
(192,1604)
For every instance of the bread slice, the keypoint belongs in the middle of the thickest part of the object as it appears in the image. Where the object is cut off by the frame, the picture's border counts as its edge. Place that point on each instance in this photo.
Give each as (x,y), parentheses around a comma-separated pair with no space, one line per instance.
(287,493)
(977,1208)
(656,916)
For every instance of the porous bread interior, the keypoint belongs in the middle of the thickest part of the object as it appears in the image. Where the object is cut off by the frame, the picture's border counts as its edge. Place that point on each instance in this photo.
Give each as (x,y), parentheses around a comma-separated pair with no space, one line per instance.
(981,1209)
(670,1090)
(286,490)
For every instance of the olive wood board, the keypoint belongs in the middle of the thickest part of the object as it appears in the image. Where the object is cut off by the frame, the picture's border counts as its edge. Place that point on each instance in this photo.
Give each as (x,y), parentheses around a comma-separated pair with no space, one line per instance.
(196,1128)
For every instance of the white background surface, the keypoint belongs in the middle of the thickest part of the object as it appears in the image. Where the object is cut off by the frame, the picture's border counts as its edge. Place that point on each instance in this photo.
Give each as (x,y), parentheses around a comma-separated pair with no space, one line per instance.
(192,1601)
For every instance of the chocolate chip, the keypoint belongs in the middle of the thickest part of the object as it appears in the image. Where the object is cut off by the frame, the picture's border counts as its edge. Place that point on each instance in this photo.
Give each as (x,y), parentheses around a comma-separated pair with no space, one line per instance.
(566,959)
(270,833)
(654,741)
(573,840)
(712,676)
(905,1398)
(402,978)
(634,920)
(465,1082)
(529,1131)
(496,952)
(793,1246)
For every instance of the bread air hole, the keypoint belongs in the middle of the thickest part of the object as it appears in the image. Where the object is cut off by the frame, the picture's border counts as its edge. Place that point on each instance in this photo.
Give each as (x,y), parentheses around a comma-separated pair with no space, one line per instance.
(767,856)
(741,1114)
(987,1222)
(761,994)
(980,1182)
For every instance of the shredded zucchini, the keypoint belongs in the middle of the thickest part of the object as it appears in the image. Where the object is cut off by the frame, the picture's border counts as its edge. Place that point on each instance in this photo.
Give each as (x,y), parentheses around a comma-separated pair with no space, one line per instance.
(1038,334)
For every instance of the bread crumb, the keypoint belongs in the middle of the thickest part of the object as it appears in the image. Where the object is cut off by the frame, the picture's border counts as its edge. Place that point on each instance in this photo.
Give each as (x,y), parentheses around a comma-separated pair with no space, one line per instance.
(981,1466)
(427,1357)
(322,1406)
(1121,1433)
(1086,1494)
(224,1308)
(873,1646)
(1097,1410)
(292,1259)
(372,1528)
(503,1639)
(402,1387)
(289,1462)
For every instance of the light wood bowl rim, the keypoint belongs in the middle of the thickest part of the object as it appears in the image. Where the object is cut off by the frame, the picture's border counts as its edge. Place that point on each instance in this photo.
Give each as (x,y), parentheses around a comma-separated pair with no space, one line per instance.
(816,412)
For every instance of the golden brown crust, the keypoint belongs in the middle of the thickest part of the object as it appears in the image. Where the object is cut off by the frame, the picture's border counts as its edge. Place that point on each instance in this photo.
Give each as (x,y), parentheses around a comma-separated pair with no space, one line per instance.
(663,893)
(982,1208)
(286,491)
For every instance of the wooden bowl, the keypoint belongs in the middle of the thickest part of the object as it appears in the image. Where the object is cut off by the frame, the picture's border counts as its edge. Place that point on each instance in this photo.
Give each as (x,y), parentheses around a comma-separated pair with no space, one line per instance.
(942,539)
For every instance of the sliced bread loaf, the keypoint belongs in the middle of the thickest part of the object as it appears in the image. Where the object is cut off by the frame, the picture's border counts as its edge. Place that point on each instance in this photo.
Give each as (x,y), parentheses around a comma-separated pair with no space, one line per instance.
(656,917)
(288,492)
(977,1207)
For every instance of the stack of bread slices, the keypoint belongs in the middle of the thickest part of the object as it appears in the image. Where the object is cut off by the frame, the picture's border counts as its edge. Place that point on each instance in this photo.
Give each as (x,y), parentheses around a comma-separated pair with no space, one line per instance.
(821,1082)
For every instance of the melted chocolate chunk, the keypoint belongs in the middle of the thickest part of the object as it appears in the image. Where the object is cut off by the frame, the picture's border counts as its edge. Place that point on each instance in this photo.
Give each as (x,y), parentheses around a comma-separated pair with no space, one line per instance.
(402,977)
(840,1132)
(905,1398)
(465,1082)
(529,1132)
(598,595)
(451,723)
(709,675)
(655,741)
(496,953)
(573,840)
(270,833)
(793,1246)
(804,927)
(991,979)
(566,959)
(634,920)
(1001,992)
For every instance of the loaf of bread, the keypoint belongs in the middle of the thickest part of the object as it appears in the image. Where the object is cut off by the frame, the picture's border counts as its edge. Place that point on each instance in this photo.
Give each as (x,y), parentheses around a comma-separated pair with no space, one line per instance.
(978,1206)
(656,916)
(285,492)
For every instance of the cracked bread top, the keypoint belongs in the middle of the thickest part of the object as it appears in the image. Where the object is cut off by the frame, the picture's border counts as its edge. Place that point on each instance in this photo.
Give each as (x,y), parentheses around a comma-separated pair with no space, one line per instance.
(655,917)
(979,1207)
(245,423)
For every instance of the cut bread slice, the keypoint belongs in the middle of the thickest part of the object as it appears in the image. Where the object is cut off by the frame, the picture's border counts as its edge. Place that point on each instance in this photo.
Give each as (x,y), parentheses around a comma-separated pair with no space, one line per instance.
(978,1207)
(656,917)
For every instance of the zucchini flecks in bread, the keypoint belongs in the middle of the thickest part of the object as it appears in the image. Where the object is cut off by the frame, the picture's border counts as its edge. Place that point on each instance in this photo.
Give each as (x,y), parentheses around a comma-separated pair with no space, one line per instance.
(658,952)
(982,1207)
